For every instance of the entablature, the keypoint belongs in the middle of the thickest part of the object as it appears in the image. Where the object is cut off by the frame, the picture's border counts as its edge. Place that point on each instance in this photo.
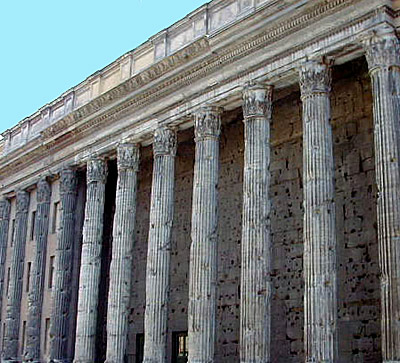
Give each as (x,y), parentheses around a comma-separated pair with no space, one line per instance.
(213,68)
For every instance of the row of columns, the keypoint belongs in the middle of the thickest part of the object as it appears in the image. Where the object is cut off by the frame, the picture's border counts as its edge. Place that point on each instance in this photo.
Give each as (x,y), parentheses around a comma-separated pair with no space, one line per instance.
(320,270)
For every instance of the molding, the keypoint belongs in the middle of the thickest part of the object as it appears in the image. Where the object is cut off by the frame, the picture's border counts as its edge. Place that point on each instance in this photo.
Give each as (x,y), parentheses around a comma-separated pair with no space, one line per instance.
(80,123)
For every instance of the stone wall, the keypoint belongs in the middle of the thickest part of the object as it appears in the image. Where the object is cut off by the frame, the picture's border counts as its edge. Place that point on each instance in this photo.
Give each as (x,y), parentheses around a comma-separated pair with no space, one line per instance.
(359,311)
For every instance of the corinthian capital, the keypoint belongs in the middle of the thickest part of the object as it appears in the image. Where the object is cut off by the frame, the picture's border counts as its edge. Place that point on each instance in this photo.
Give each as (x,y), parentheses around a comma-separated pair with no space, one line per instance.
(4,209)
(22,201)
(128,156)
(315,78)
(257,101)
(382,50)
(164,142)
(96,170)
(207,122)
(43,191)
(68,181)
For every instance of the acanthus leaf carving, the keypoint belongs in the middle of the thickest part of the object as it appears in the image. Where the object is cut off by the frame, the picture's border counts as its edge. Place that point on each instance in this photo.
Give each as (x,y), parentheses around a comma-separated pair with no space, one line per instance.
(5,209)
(207,122)
(22,201)
(97,170)
(69,181)
(43,191)
(257,101)
(164,142)
(128,156)
(382,50)
(315,78)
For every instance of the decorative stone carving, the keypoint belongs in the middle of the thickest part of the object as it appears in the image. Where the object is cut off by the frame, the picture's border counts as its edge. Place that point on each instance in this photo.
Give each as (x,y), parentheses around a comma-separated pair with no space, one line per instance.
(383,56)
(255,307)
(61,291)
(164,142)
(315,77)
(320,270)
(13,311)
(89,276)
(382,50)
(35,297)
(203,249)
(4,209)
(122,257)
(159,247)
(128,156)
(257,101)
(96,171)
(207,121)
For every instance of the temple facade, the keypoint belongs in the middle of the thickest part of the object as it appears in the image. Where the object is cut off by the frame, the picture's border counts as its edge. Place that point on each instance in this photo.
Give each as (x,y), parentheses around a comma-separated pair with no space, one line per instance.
(229,191)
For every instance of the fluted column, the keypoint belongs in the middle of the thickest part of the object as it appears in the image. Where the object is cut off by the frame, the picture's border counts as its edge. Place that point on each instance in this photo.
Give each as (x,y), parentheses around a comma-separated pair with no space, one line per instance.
(383,56)
(13,310)
(255,292)
(89,277)
(61,292)
(122,249)
(159,247)
(35,297)
(320,292)
(5,209)
(203,249)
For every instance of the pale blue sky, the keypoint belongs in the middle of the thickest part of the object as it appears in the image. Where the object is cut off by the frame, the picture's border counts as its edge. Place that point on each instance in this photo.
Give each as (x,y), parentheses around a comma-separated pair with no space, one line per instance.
(48,46)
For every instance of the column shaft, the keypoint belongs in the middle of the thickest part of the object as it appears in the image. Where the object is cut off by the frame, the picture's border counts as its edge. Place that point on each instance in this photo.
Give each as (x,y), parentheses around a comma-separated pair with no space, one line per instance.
(5,209)
(122,249)
(320,297)
(255,307)
(35,297)
(203,250)
(159,247)
(13,310)
(89,277)
(61,292)
(383,56)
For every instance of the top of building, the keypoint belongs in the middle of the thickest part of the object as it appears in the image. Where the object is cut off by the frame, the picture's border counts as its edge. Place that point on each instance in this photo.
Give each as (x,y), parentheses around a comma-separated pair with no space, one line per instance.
(207,20)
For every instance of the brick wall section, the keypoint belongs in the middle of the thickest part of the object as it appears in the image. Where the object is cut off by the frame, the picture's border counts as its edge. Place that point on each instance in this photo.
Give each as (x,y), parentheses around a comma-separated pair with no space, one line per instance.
(359,310)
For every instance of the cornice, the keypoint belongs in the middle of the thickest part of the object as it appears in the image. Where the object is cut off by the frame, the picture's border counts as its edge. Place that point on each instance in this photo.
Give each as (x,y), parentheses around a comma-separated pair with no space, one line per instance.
(78,124)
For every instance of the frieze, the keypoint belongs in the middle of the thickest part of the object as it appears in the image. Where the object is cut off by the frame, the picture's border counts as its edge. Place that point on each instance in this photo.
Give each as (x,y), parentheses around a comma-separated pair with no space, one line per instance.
(97,170)
(199,71)
(43,191)
(22,201)
(257,101)
(315,77)
(207,122)
(183,56)
(128,156)
(164,142)
(382,50)
(5,208)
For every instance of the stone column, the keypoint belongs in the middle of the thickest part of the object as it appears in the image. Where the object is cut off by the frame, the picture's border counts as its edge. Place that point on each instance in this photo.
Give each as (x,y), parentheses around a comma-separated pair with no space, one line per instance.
(122,249)
(61,292)
(13,310)
(35,297)
(159,247)
(320,292)
(89,277)
(255,292)
(5,209)
(383,56)
(203,250)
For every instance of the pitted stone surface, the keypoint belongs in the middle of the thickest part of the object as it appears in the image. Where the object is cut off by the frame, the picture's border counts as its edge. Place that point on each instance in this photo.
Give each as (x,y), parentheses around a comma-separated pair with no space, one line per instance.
(89,276)
(122,253)
(159,247)
(35,297)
